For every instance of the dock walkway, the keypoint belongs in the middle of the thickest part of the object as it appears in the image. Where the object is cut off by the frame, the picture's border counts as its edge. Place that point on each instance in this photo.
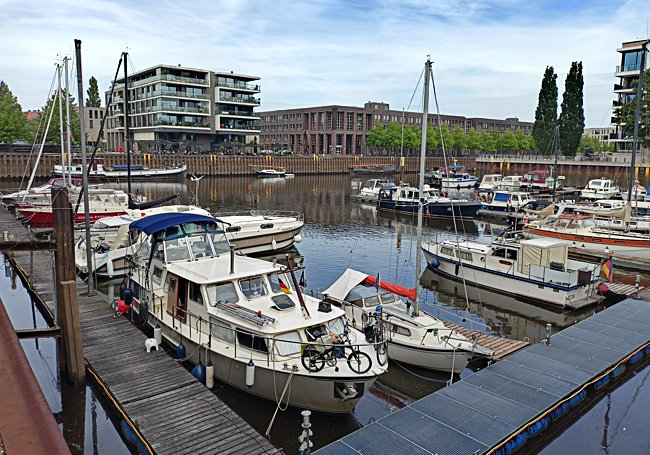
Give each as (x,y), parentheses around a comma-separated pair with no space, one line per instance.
(169,408)
(498,408)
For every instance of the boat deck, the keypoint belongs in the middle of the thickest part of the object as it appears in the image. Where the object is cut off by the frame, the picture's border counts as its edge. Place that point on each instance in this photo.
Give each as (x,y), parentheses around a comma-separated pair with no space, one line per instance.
(172,411)
(618,259)
(499,408)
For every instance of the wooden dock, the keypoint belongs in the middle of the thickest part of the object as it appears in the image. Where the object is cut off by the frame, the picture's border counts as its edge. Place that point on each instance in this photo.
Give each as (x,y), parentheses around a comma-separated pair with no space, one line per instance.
(502,347)
(169,410)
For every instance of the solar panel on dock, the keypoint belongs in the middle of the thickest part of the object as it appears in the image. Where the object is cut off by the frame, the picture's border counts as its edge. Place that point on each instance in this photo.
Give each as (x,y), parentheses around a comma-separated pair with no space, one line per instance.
(477,413)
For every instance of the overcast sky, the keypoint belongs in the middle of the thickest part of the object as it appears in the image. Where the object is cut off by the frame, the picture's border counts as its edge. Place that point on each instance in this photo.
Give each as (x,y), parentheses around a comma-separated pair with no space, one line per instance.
(489,55)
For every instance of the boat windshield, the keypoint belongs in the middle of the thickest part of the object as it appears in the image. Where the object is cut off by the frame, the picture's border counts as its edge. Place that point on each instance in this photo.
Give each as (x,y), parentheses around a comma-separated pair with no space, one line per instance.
(193,241)
(367,295)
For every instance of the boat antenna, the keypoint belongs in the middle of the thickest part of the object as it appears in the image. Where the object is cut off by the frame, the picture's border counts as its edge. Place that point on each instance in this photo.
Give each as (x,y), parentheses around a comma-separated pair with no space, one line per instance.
(421,201)
(639,94)
(401,152)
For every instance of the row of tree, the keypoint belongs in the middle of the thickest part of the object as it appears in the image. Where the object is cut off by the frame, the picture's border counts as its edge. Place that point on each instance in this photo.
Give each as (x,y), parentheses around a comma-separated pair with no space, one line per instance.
(571,121)
(390,137)
(14,126)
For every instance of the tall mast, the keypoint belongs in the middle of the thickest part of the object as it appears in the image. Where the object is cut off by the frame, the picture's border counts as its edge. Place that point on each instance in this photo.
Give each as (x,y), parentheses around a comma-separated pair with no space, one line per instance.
(639,95)
(58,72)
(401,152)
(554,174)
(423,157)
(67,116)
(127,149)
(84,164)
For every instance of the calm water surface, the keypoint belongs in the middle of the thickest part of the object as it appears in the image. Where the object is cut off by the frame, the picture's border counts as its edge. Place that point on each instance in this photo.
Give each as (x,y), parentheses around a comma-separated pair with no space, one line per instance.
(339,233)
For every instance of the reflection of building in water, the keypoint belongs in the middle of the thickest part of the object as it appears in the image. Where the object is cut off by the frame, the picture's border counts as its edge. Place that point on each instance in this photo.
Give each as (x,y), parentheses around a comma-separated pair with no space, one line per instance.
(506,315)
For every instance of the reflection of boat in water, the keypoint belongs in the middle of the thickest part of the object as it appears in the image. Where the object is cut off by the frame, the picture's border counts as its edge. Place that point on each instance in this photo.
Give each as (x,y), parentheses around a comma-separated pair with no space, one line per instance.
(506,315)
(402,385)
(468,226)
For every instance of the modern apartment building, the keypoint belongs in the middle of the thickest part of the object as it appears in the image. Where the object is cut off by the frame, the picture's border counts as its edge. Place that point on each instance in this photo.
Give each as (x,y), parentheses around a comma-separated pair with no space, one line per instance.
(344,129)
(183,108)
(628,81)
(603,134)
(92,122)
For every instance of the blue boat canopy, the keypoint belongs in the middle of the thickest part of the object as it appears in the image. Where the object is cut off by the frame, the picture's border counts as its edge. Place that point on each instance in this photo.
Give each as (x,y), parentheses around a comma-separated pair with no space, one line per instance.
(156,223)
(125,166)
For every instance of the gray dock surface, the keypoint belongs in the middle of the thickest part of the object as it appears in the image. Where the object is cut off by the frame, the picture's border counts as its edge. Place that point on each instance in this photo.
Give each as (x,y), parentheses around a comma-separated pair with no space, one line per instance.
(174,412)
(477,414)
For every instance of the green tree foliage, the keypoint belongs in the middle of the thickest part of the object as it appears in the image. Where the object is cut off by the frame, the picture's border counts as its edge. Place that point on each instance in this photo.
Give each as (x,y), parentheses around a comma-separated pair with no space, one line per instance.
(546,112)
(522,140)
(412,137)
(13,123)
(458,138)
(572,117)
(474,140)
(376,136)
(625,115)
(93,93)
(508,141)
(496,138)
(54,134)
(488,143)
(435,136)
(393,136)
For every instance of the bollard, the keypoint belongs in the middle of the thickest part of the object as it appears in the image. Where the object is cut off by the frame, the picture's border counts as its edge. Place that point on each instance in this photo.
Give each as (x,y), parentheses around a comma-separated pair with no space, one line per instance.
(305,443)
(548,334)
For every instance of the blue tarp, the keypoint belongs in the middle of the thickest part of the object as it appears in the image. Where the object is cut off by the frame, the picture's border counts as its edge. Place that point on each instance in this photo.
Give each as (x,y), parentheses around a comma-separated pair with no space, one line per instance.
(125,166)
(161,221)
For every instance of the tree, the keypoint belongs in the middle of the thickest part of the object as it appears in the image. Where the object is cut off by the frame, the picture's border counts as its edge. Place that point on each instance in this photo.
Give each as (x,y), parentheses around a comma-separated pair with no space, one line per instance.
(13,123)
(376,136)
(508,141)
(93,93)
(572,117)
(522,140)
(625,115)
(546,112)
(393,136)
(473,140)
(488,143)
(54,135)
(412,138)
(497,140)
(458,138)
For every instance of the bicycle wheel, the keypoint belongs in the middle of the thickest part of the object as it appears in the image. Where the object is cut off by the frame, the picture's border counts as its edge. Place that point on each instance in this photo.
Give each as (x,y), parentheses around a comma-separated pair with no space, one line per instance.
(311,359)
(359,362)
(330,356)
(382,353)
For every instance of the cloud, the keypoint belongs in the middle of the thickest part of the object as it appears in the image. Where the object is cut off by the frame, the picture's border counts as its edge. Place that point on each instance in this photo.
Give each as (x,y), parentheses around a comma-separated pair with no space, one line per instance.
(489,55)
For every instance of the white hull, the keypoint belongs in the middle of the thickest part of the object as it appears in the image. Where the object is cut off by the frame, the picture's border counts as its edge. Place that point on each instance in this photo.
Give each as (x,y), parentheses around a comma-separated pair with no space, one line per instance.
(604,243)
(432,359)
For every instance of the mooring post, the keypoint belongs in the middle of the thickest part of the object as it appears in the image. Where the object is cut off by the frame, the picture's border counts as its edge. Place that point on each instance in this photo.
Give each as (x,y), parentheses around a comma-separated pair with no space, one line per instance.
(67,304)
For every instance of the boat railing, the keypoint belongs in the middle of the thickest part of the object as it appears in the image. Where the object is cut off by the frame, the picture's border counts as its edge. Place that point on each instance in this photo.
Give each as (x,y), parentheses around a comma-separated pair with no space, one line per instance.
(296,215)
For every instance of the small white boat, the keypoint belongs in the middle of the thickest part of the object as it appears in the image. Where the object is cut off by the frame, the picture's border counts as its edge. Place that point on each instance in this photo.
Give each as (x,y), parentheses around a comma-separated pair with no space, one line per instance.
(263,173)
(121,171)
(38,193)
(247,318)
(370,189)
(537,270)
(510,182)
(489,183)
(421,340)
(508,201)
(600,189)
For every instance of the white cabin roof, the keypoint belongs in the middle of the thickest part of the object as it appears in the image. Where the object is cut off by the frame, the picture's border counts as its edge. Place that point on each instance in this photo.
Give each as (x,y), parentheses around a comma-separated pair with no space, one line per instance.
(543,243)
(217,269)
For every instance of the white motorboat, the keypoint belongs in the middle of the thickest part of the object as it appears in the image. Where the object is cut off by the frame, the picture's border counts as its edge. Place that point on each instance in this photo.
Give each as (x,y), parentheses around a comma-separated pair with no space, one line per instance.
(536,269)
(457,178)
(600,189)
(270,172)
(247,319)
(421,340)
(370,189)
(510,182)
(489,183)
(38,193)
(541,180)
(508,201)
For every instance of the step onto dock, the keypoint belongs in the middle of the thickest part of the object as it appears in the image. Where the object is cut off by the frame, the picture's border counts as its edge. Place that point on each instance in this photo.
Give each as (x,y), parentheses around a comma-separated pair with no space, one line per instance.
(502,347)
(498,408)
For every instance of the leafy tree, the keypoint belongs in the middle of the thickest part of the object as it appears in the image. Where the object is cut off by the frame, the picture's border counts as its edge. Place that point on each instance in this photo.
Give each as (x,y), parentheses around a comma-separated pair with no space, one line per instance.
(93,93)
(458,138)
(376,136)
(393,136)
(572,117)
(412,137)
(522,140)
(54,135)
(473,140)
(546,112)
(488,142)
(497,140)
(509,141)
(13,123)
(625,115)
(437,135)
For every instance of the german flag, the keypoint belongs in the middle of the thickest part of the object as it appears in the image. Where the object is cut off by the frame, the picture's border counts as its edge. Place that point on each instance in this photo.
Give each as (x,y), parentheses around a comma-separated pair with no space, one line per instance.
(284,288)
(607,269)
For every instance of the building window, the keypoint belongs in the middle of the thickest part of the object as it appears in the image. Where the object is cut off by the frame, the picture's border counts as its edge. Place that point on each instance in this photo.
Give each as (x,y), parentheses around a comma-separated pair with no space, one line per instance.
(359,122)
(90,121)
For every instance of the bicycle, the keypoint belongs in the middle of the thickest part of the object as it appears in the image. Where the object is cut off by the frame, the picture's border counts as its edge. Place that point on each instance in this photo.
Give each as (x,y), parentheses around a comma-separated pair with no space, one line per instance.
(375,334)
(314,360)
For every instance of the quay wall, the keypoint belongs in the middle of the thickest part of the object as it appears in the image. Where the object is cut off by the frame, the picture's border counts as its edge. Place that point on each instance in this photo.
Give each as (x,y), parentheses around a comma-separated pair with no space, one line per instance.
(19,165)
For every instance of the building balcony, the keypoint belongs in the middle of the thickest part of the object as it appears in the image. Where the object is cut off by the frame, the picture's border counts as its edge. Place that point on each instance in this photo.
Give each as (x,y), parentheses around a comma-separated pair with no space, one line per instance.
(165,77)
(181,124)
(243,100)
(172,94)
(237,128)
(623,70)
(232,113)
(185,109)
(239,85)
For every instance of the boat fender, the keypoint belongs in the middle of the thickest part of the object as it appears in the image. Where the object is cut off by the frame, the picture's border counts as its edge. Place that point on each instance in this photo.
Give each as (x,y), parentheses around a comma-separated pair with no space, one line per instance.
(297,238)
(157,334)
(109,267)
(209,375)
(122,290)
(122,307)
(180,351)
(525,219)
(143,313)
(274,244)
(199,373)
(128,296)
(435,263)
(250,374)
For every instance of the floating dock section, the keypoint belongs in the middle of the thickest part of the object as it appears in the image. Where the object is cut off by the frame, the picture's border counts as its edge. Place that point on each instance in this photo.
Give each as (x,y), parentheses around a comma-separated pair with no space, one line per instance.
(496,410)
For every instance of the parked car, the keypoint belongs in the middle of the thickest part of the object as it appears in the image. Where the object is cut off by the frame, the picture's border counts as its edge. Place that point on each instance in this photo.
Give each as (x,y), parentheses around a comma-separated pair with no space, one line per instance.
(286,152)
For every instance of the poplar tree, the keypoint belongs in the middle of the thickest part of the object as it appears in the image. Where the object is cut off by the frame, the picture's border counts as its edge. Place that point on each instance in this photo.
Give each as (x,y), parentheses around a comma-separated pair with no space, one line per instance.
(546,113)
(572,117)
(13,123)
(93,99)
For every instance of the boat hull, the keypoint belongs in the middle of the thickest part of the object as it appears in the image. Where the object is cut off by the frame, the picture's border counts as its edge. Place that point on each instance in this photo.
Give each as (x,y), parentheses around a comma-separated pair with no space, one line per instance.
(440,209)
(431,359)
(44,216)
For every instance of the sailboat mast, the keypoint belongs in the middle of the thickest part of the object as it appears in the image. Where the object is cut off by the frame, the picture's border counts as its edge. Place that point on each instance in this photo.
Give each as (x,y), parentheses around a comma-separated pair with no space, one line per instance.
(67,116)
(557,151)
(401,152)
(423,157)
(58,72)
(639,95)
(126,126)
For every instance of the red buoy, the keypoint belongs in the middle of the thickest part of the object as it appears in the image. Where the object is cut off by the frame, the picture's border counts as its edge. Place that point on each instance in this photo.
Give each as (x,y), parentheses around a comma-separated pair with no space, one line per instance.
(122,307)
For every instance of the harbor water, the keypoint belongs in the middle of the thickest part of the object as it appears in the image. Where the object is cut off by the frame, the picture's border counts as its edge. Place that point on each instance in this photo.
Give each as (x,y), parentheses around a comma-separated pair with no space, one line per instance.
(341,233)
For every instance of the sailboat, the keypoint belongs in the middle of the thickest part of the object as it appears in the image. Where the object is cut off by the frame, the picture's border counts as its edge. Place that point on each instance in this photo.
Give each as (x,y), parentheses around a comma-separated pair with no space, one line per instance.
(415,337)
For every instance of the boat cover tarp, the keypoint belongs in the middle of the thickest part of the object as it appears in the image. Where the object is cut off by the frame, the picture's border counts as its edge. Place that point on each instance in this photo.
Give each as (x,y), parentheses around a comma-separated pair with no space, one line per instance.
(546,211)
(156,223)
(340,289)
(394,288)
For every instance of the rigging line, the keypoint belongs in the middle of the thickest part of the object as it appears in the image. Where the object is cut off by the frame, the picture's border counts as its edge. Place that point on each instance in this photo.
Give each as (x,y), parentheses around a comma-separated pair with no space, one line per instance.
(415,90)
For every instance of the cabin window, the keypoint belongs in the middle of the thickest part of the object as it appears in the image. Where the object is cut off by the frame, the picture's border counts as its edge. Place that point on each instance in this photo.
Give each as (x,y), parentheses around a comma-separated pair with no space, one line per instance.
(466,256)
(253,287)
(267,226)
(398,329)
(275,279)
(194,294)
(222,331)
(336,326)
(282,302)
(176,250)
(200,247)
(233,229)
(157,274)
(387,298)
(222,293)
(499,252)
(251,341)
(511,254)
(447,251)
(288,343)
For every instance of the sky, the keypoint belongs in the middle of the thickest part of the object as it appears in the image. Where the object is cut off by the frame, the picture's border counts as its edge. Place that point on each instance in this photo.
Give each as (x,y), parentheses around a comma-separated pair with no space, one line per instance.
(489,55)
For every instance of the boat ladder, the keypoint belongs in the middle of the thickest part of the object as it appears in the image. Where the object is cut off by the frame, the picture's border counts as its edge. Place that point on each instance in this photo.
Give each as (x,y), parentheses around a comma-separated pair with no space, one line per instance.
(246,313)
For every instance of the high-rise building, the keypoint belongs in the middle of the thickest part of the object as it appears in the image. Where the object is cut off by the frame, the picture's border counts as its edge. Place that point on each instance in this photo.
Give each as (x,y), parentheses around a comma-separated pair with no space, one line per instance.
(183,108)
(92,123)
(628,74)
(344,129)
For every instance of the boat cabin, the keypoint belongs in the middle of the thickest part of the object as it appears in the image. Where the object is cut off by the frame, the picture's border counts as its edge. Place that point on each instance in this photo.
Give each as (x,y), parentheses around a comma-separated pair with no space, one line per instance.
(490,181)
